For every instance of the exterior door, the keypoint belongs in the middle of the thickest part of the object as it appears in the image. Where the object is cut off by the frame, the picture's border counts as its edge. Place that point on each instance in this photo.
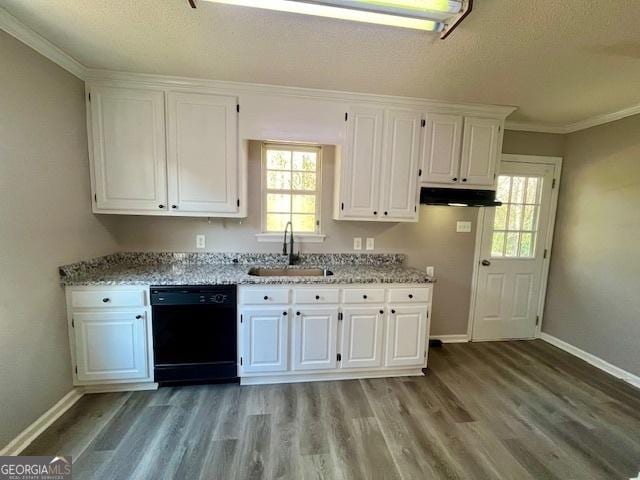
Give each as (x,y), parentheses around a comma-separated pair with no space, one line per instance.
(128,138)
(315,338)
(111,346)
(400,165)
(480,150)
(441,148)
(406,336)
(360,172)
(202,153)
(264,339)
(512,253)
(362,333)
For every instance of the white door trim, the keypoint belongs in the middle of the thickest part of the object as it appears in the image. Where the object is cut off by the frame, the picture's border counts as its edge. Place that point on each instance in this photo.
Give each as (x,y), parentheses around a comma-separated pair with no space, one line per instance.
(557,164)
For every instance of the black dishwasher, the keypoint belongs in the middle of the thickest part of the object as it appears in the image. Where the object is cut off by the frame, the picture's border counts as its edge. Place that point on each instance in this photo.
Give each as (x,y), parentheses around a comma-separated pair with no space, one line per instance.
(194,334)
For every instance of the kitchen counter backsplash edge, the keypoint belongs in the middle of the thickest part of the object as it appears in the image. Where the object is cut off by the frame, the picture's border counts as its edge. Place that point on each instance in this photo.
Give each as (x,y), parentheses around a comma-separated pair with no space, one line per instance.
(227,258)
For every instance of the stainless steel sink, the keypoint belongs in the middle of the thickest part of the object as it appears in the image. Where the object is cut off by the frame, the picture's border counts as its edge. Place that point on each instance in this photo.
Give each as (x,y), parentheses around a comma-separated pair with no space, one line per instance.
(289,272)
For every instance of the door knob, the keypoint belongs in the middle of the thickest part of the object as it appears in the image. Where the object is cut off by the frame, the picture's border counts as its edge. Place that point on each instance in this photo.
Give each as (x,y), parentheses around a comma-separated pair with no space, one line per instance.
(486,263)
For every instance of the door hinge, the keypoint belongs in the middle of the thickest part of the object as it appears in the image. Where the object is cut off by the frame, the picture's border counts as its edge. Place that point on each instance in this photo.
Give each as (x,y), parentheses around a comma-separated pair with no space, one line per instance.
(346,116)
(73,323)
(553,183)
(238,202)
(544,255)
(340,316)
(537,320)
(241,318)
(240,361)
(238,107)
(423,123)
(342,206)
(339,357)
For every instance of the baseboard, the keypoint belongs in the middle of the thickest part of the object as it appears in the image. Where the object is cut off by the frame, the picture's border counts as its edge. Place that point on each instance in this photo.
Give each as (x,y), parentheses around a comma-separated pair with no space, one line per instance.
(119,387)
(29,434)
(461,338)
(593,360)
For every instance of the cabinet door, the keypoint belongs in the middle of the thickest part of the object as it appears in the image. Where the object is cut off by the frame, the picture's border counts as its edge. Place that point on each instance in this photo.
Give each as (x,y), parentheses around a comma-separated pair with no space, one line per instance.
(406,336)
(362,332)
(442,139)
(111,346)
(400,165)
(128,138)
(360,168)
(202,153)
(480,150)
(315,338)
(264,339)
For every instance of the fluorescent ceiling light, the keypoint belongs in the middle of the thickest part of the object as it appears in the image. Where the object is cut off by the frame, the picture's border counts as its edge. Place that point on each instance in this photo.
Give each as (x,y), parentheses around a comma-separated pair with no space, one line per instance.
(417,14)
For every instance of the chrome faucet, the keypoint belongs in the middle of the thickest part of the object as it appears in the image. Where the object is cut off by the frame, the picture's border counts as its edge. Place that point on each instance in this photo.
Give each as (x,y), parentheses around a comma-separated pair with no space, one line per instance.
(292,257)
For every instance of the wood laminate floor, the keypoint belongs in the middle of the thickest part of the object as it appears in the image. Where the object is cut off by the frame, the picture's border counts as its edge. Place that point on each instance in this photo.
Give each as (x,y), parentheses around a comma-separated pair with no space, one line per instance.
(504,410)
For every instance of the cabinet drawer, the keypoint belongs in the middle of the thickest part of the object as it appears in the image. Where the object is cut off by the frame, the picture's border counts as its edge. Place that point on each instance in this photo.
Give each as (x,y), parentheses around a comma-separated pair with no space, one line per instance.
(107,298)
(265,296)
(364,295)
(319,295)
(408,295)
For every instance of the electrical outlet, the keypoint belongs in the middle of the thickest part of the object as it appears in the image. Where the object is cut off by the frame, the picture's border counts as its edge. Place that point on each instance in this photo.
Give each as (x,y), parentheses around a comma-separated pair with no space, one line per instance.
(370,243)
(430,271)
(357,243)
(464,227)
(200,241)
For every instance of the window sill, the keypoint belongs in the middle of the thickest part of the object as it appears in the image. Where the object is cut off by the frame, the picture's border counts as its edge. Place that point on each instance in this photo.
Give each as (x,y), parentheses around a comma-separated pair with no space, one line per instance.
(297,237)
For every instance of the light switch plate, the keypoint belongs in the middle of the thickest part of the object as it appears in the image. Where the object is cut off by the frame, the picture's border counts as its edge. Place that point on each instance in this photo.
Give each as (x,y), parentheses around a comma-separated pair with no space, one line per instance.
(357,243)
(370,243)
(464,227)
(200,241)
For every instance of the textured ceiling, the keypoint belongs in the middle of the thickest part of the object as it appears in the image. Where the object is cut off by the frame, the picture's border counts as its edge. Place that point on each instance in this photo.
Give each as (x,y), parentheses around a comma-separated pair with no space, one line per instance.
(560,61)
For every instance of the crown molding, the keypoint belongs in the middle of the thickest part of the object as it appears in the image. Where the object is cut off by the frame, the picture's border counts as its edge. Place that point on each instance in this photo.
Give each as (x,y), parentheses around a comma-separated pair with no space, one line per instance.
(535,127)
(26,35)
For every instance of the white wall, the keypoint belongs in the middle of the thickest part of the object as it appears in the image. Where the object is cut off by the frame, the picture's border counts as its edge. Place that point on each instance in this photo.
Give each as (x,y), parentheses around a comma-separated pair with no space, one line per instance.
(45,222)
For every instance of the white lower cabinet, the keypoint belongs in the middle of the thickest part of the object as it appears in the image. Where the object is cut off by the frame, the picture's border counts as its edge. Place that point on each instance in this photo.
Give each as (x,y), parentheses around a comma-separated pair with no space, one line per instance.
(406,336)
(362,335)
(264,339)
(315,334)
(111,345)
(110,335)
(369,331)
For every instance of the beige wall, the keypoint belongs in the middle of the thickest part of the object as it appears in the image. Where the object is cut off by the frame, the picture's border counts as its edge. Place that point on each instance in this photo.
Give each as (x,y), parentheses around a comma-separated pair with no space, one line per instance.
(45,222)
(593,299)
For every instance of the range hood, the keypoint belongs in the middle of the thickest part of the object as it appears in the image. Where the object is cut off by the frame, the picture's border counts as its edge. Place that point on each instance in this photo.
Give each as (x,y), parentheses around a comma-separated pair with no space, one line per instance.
(458,197)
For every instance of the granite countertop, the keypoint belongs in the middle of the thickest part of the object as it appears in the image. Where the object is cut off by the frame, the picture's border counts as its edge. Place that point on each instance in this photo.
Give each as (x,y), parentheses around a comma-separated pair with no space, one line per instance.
(211,269)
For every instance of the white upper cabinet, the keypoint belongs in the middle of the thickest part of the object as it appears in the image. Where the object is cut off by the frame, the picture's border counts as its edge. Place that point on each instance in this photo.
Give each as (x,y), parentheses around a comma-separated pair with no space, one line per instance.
(202,148)
(480,150)
(359,175)
(128,139)
(442,139)
(460,151)
(400,165)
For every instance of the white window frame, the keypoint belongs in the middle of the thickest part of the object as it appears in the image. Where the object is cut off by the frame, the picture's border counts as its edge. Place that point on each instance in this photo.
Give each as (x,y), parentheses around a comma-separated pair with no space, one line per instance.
(304,237)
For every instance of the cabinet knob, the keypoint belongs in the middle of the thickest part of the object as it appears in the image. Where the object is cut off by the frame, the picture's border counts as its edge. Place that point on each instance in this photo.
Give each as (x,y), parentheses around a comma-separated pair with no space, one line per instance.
(138,317)
(317,297)
(364,296)
(455,179)
(393,311)
(381,311)
(464,179)
(160,206)
(298,313)
(284,314)
(375,212)
(410,296)
(386,213)
(106,300)
(266,297)
(174,206)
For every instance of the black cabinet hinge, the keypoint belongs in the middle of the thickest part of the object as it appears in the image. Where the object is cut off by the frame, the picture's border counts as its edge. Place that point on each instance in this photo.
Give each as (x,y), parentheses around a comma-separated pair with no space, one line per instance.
(76,369)
(339,357)
(89,96)
(537,320)
(423,123)
(238,202)
(95,197)
(238,108)
(73,323)
(346,116)
(342,206)
(241,318)
(553,183)
(340,316)
(544,255)
(240,361)
(419,172)
(415,208)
